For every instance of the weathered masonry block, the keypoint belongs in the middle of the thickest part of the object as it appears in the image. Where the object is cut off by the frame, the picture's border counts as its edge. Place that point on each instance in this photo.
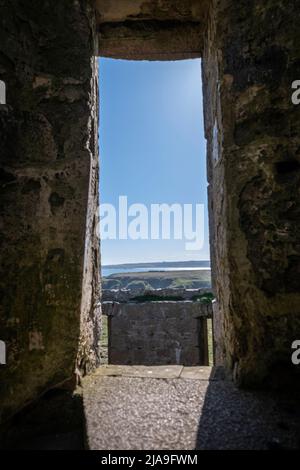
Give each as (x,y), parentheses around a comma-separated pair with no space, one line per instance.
(157,333)
(151,30)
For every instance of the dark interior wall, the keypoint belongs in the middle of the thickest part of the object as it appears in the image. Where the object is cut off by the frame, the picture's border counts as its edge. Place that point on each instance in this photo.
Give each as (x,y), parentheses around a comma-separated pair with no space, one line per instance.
(251,58)
(49,193)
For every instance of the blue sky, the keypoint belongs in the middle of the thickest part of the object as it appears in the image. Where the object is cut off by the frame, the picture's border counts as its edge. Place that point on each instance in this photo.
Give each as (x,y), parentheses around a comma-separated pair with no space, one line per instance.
(152,147)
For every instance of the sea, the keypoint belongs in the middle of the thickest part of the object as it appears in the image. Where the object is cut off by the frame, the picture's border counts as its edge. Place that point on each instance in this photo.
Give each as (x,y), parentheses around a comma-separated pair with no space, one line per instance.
(108,271)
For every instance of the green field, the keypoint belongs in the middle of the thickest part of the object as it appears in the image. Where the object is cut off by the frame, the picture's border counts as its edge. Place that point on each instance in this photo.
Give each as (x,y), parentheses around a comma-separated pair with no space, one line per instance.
(159,280)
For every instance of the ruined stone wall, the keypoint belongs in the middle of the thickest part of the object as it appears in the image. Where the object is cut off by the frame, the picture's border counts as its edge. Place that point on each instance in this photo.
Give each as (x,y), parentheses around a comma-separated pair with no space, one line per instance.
(49,177)
(157,333)
(251,58)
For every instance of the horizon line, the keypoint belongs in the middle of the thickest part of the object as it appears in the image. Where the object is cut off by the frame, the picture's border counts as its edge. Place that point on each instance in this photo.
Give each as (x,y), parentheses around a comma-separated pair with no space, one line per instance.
(154,262)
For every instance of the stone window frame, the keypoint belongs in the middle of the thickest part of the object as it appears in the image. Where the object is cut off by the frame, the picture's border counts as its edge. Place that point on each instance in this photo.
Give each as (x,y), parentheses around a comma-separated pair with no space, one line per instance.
(2,92)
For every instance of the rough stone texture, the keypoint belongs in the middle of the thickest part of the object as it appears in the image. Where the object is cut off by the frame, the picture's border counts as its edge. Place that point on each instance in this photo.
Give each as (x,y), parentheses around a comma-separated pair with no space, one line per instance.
(116,11)
(153,30)
(251,58)
(49,177)
(157,333)
(200,412)
(141,40)
(154,372)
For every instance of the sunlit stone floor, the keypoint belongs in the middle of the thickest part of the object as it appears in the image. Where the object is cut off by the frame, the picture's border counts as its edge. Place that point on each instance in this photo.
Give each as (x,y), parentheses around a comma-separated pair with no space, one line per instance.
(182,408)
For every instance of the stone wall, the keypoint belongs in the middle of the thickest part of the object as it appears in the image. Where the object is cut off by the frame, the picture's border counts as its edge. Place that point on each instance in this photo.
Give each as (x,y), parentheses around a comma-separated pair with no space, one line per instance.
(152,30)
(157,333)
(251,58)
(49,191)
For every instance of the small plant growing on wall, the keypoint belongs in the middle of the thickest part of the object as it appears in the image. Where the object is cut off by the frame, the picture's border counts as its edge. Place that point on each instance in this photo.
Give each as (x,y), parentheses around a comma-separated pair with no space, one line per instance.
(205,298)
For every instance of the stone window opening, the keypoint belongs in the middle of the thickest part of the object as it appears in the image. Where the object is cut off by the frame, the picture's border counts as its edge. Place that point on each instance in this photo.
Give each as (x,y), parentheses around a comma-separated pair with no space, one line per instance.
(114,314)
(2,92)
(2,353)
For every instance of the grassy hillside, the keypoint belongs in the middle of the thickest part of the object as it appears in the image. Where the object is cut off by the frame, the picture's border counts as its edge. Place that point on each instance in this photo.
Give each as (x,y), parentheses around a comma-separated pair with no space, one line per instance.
(159,279)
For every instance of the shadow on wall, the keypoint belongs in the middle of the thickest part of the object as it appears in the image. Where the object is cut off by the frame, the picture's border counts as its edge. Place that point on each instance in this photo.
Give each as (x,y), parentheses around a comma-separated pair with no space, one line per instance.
(232,418)
(54,422)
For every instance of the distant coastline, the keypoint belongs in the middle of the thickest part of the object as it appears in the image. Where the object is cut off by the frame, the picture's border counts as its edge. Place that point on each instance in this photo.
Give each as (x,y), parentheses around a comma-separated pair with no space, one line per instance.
(159,267)
(160,264)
